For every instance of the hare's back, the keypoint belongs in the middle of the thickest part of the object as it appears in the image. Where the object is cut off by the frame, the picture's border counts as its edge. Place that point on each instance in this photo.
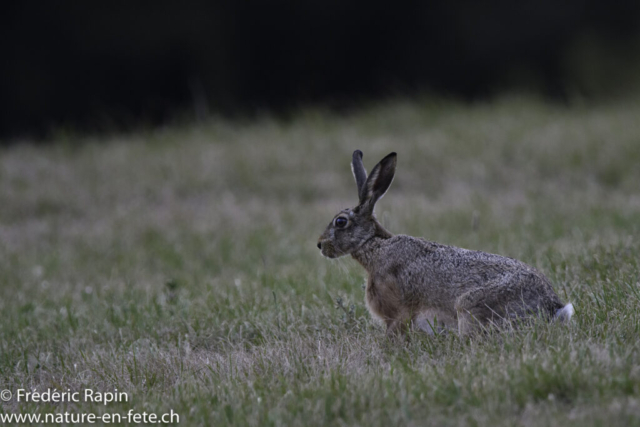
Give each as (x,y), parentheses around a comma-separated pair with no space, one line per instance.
(414,252)
(437,267)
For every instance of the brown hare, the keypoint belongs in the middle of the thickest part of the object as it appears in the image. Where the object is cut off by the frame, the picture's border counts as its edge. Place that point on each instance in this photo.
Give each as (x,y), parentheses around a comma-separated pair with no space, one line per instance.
(428,286)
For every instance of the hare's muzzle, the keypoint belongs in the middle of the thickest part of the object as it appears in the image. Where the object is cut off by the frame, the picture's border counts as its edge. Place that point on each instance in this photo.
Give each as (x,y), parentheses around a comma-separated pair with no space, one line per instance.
(326,249)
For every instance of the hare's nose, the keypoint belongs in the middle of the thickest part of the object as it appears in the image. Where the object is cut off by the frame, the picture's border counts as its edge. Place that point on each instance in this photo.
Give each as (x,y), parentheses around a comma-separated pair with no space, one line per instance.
(319,245)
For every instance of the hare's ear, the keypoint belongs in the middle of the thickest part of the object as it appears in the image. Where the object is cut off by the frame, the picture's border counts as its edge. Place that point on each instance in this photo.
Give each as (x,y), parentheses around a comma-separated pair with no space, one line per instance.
(359,172)
(378,182)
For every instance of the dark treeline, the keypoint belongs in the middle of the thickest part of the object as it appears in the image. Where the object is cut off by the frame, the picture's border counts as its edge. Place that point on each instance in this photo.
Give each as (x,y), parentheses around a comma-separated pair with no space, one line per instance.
(95,64)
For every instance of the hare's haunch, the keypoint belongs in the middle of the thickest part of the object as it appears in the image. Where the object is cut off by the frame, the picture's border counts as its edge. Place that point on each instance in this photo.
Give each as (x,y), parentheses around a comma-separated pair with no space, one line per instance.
(430,286)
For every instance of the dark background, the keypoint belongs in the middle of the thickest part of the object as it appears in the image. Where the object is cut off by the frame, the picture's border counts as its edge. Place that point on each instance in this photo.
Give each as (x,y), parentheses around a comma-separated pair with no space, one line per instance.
(116,65)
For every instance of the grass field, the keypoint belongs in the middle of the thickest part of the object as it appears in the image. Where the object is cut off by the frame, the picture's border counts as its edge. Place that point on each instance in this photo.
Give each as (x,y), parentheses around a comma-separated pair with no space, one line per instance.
(180,266)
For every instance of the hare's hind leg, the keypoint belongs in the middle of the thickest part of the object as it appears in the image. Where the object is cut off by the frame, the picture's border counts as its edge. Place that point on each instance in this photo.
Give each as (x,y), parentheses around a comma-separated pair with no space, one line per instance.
(472,311)
(501,302)
(485,306)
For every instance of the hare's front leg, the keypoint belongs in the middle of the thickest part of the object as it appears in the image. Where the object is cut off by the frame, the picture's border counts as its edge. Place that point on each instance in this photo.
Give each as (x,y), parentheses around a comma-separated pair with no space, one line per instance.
(383,302)
(397,327)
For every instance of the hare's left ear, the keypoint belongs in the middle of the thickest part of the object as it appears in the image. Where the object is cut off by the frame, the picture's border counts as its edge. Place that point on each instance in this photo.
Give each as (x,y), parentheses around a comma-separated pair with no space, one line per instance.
(359,172)
(378,182)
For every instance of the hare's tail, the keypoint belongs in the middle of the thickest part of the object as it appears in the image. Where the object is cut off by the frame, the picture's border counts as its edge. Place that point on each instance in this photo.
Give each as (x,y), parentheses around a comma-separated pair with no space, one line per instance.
(564,314)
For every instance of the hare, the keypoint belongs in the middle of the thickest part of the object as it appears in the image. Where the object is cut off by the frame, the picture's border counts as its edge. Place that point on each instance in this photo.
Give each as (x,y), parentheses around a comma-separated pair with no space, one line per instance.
(428,286)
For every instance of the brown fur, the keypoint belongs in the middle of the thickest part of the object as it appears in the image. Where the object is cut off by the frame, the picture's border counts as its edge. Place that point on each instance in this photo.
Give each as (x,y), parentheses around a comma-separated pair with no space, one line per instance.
(426,285)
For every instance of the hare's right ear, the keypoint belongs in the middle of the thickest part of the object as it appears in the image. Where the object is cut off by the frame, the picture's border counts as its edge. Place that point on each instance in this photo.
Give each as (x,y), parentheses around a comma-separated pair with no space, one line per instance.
(359,172)
(378,182)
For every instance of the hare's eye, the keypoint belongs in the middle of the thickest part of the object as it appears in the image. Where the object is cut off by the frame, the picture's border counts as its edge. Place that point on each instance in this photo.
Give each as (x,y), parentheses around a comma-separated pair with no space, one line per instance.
(341,222)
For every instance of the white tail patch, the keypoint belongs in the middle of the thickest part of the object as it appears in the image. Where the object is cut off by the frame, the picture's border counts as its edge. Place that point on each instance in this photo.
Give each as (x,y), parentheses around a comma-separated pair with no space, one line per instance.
(565,313)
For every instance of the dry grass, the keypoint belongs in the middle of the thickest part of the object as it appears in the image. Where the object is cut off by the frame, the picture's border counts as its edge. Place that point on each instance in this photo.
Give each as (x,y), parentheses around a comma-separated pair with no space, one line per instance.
(180,266)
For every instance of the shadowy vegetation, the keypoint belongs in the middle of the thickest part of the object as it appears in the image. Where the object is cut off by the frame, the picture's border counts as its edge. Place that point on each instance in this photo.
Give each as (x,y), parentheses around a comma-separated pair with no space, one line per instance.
(124,65)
